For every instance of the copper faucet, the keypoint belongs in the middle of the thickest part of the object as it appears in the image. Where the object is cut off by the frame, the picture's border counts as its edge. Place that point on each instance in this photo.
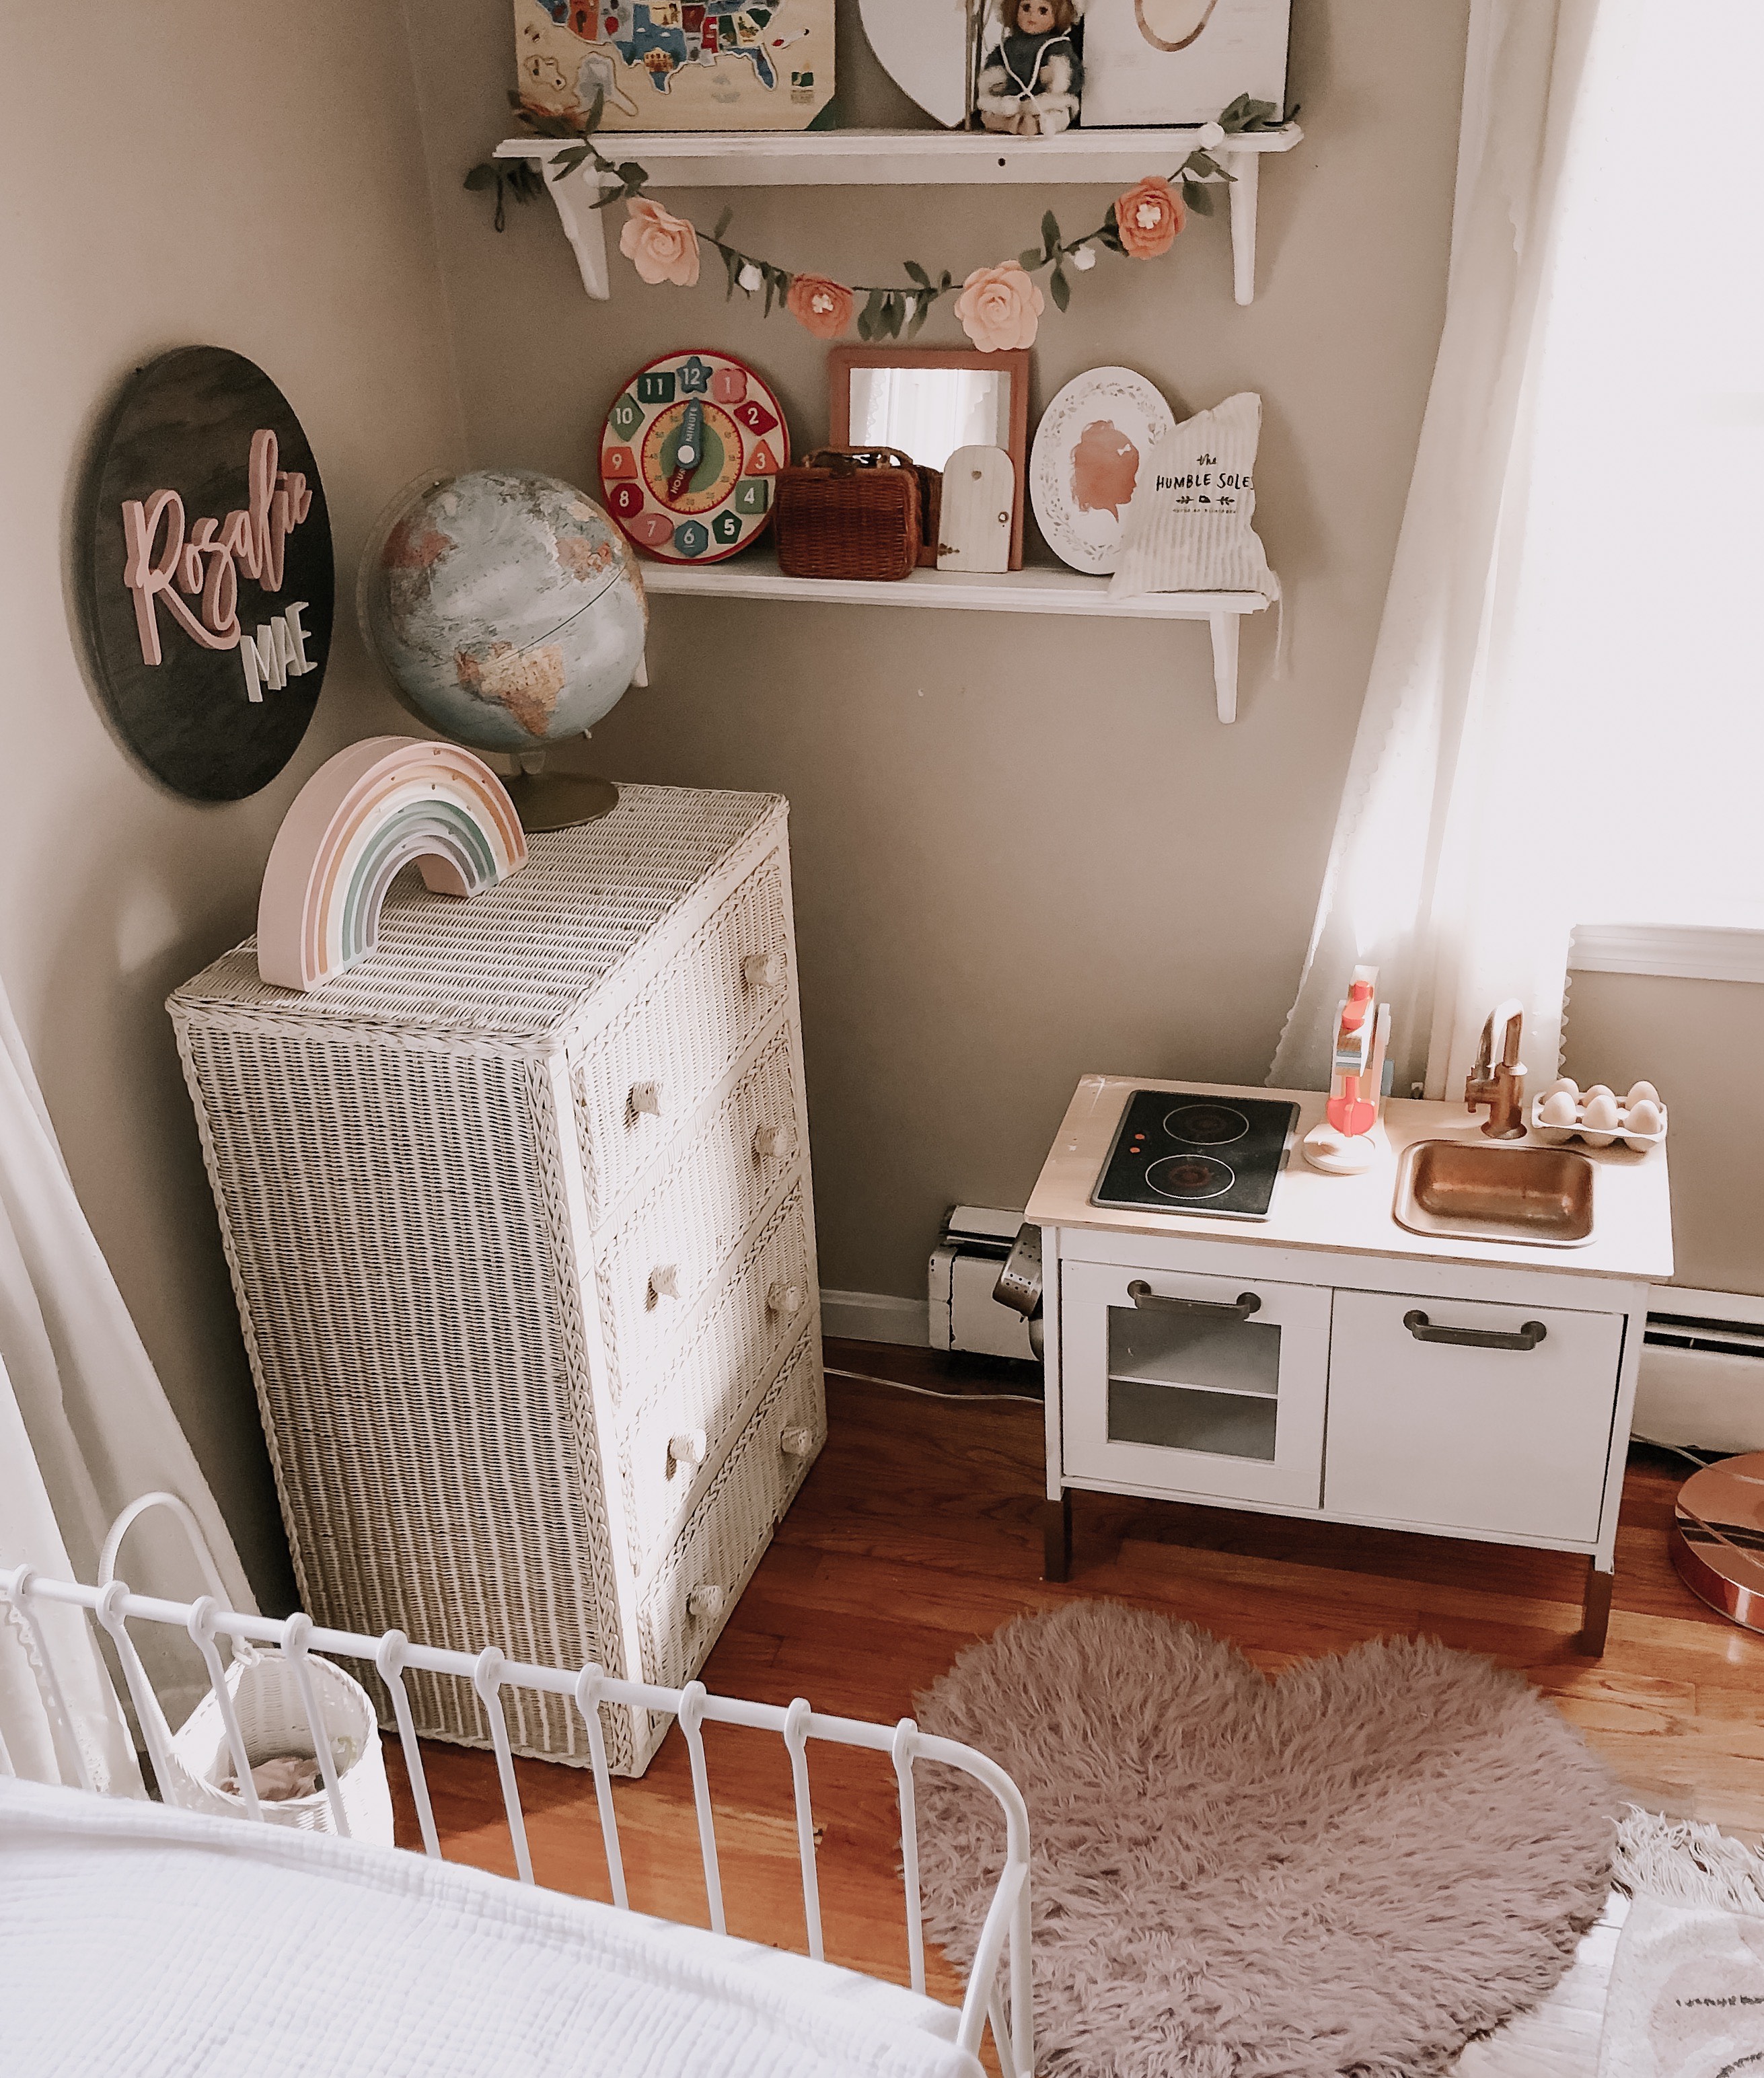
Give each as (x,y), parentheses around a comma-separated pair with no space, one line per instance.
(1500,1084)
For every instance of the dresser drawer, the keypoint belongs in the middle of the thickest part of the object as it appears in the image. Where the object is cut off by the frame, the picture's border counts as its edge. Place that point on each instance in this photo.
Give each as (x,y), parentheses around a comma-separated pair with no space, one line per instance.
(676,1419)
(650,1068)
(653,1269)
(1511,1438)
(684,1608)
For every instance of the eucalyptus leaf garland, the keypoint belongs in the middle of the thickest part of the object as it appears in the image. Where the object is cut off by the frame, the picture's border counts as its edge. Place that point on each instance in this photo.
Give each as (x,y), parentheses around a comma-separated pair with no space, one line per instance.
(891,311)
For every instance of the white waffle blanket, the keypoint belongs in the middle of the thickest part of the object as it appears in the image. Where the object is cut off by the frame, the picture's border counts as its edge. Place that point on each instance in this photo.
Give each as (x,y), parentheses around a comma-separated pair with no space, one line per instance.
(139,1942)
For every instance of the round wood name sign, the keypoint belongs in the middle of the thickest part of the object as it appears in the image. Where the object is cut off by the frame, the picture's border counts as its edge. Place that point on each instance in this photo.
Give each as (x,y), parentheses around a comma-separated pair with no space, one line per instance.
(207,589)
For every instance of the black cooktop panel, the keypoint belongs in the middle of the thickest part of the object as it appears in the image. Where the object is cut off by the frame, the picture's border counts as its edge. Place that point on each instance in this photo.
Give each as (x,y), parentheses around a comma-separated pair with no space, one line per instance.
(1209,1156)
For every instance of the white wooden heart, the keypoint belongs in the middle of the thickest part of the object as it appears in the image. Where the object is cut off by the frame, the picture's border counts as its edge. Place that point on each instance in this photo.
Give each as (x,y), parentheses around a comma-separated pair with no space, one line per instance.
(922,45)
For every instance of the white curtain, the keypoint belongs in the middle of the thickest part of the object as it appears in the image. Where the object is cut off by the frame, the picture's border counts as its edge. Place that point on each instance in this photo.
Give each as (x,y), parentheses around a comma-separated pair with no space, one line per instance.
(85,1427)
(1562,724)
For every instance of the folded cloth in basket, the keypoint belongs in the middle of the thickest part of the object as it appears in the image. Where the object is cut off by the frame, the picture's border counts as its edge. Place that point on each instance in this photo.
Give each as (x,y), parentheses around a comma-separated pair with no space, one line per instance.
(137,1939)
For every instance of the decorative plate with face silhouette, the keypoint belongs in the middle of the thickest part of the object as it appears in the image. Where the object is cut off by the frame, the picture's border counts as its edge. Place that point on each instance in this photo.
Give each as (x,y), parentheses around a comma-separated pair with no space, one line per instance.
(1089,448)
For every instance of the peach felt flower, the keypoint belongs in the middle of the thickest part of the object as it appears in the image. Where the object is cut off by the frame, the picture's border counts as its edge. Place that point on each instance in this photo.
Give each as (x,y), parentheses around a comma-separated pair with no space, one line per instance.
(661,246)
(818,306)
(1149,217)
(1000,307)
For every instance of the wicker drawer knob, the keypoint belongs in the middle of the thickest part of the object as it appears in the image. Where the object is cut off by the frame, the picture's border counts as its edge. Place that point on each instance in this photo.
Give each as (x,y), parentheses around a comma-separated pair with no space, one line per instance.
(784,1297)
(690,1447)
(771,1141)
(665,1281)
(797,1442)
(763,970)
(706,1601)
(646,1097)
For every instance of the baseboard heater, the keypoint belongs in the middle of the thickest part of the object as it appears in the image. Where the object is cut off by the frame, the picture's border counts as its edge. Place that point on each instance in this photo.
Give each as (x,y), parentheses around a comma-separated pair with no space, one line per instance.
(1702,1378)
(971,1250)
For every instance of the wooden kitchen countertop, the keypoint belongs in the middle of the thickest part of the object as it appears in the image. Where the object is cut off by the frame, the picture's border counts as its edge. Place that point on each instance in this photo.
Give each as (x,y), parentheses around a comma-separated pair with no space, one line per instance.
(1352,1215)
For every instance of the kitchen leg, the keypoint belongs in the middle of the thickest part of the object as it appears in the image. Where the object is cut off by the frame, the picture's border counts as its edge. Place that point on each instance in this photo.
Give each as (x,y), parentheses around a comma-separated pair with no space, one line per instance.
(1057,1537)
(1595,1609)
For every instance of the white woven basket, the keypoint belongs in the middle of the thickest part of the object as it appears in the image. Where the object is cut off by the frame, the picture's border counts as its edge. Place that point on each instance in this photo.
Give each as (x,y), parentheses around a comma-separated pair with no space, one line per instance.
(273,1720)
(264,1689)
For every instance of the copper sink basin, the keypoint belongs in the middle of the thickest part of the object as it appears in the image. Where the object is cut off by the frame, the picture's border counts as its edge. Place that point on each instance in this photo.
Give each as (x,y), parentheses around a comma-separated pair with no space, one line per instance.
(1480,1190)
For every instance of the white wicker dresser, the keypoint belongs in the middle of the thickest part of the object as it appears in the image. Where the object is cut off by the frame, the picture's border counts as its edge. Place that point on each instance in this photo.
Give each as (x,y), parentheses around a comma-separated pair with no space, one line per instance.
(519,1219)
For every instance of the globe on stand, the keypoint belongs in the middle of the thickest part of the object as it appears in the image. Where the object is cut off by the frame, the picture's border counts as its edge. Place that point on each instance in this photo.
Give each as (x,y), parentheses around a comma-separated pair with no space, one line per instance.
(507,611)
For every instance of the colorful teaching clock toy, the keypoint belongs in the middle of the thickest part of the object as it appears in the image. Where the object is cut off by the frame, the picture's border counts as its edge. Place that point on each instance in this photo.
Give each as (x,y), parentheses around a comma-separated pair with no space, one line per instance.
(690,456)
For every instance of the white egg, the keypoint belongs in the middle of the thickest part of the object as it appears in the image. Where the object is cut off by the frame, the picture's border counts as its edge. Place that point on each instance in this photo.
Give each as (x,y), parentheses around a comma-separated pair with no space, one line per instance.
(1558,1108)
(1566,1085)
(1644,1117)
(1597,1090)
(1600,1114)
(1641,1093)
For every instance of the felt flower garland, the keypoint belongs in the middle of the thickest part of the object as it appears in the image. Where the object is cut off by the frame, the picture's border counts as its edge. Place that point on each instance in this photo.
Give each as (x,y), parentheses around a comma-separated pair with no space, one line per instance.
(1000,307)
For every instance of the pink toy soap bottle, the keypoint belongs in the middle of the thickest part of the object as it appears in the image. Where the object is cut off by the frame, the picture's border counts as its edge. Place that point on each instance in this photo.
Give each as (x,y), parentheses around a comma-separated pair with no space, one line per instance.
(1350,1139)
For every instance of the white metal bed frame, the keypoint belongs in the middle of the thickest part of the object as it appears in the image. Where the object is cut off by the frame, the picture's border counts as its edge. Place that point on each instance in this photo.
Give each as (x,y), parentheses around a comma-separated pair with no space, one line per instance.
(1003,1947)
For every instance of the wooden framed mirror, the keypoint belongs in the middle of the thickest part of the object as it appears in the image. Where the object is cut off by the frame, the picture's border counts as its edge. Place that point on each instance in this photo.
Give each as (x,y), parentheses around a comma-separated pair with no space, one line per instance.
(930,401)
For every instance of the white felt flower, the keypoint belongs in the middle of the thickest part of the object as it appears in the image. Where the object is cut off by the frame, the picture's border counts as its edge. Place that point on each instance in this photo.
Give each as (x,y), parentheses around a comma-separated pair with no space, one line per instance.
(750,278)
(1212,137)
(1083,257)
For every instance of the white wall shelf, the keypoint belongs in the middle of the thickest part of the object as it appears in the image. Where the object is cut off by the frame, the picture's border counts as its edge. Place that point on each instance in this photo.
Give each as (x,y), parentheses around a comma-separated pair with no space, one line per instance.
(899,158)
(755,575)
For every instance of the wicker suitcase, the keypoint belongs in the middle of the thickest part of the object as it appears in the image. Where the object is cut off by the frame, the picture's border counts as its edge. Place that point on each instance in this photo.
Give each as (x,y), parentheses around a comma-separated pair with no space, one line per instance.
(518,1218)
(851,512)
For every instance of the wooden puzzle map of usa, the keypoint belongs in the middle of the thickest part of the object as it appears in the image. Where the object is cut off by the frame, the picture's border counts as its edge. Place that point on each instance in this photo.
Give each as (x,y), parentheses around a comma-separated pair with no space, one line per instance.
(663,35)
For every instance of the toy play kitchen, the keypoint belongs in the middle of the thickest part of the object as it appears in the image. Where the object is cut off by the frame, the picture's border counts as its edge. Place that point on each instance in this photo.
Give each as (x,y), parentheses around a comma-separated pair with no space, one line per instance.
(1439,1334)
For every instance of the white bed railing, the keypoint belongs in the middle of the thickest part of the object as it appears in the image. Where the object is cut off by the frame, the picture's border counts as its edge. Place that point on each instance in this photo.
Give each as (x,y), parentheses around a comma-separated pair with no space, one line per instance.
(1001,1955)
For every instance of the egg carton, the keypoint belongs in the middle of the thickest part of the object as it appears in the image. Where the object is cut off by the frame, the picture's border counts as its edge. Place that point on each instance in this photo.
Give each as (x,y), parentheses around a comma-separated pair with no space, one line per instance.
(1613,1127)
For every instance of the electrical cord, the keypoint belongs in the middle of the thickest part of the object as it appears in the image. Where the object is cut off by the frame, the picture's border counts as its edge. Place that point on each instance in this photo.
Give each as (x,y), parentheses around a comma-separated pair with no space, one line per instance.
(1678,1449)
(930,1391)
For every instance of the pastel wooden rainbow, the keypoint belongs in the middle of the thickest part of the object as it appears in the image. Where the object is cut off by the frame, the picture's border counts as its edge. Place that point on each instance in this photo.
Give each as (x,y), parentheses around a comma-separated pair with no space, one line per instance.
(361,817)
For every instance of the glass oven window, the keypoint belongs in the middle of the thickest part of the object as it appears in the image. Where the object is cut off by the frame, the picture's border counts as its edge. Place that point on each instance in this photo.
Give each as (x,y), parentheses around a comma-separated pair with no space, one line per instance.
(1193,1382)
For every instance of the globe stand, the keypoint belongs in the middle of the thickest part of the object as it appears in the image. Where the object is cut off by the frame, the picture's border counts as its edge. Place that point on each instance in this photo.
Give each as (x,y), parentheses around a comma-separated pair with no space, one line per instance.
(558,800)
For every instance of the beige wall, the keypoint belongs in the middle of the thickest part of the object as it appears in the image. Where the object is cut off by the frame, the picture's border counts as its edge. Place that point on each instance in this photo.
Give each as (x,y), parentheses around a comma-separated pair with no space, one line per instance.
(1024,848)
(1700,1043)
(249,177)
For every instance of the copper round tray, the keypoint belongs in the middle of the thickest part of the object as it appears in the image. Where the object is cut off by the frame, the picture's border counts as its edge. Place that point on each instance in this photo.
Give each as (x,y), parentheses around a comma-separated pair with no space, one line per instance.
(1717,1538)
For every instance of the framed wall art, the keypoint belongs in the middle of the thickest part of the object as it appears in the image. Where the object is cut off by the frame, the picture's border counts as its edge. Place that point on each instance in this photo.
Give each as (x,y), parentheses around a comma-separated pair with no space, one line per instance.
(930,401)
(1159,61)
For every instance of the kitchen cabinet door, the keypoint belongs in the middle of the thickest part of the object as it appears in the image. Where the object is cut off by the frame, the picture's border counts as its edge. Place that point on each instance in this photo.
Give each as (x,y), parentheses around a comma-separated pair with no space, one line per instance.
(1177,1383)
(1508,1434)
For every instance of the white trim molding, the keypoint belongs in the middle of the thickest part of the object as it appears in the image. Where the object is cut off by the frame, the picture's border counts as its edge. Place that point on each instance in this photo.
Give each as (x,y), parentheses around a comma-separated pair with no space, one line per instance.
(876,1316)
(1685,952)
(1746,1308)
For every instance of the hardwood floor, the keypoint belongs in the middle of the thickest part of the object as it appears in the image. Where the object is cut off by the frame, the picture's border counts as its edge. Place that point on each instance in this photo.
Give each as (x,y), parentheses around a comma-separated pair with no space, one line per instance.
(919,1531)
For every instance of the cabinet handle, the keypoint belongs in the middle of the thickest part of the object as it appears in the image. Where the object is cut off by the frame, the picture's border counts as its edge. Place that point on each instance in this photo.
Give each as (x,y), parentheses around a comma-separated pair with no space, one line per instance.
(797,1442)
(1150,1301)
(706,1601)
(770,1141)
(646,1097)
(784,1297)
(690,1447)
(665,1281)
(1527,1336)
(762,970)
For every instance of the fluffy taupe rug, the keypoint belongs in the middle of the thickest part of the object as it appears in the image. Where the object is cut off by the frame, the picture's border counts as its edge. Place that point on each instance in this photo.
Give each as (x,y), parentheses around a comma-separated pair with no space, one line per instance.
(1352,1868)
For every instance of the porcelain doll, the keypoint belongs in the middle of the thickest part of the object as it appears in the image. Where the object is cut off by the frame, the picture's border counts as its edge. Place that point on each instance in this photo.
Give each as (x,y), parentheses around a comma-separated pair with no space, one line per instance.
(1030,84)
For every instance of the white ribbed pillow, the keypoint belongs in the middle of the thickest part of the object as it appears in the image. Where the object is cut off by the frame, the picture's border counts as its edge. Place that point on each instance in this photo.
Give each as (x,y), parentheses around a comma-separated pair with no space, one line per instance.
(1188,528)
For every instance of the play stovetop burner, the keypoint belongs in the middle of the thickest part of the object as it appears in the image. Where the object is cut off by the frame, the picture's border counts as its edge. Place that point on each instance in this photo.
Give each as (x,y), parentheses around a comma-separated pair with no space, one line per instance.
(1175,1152)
